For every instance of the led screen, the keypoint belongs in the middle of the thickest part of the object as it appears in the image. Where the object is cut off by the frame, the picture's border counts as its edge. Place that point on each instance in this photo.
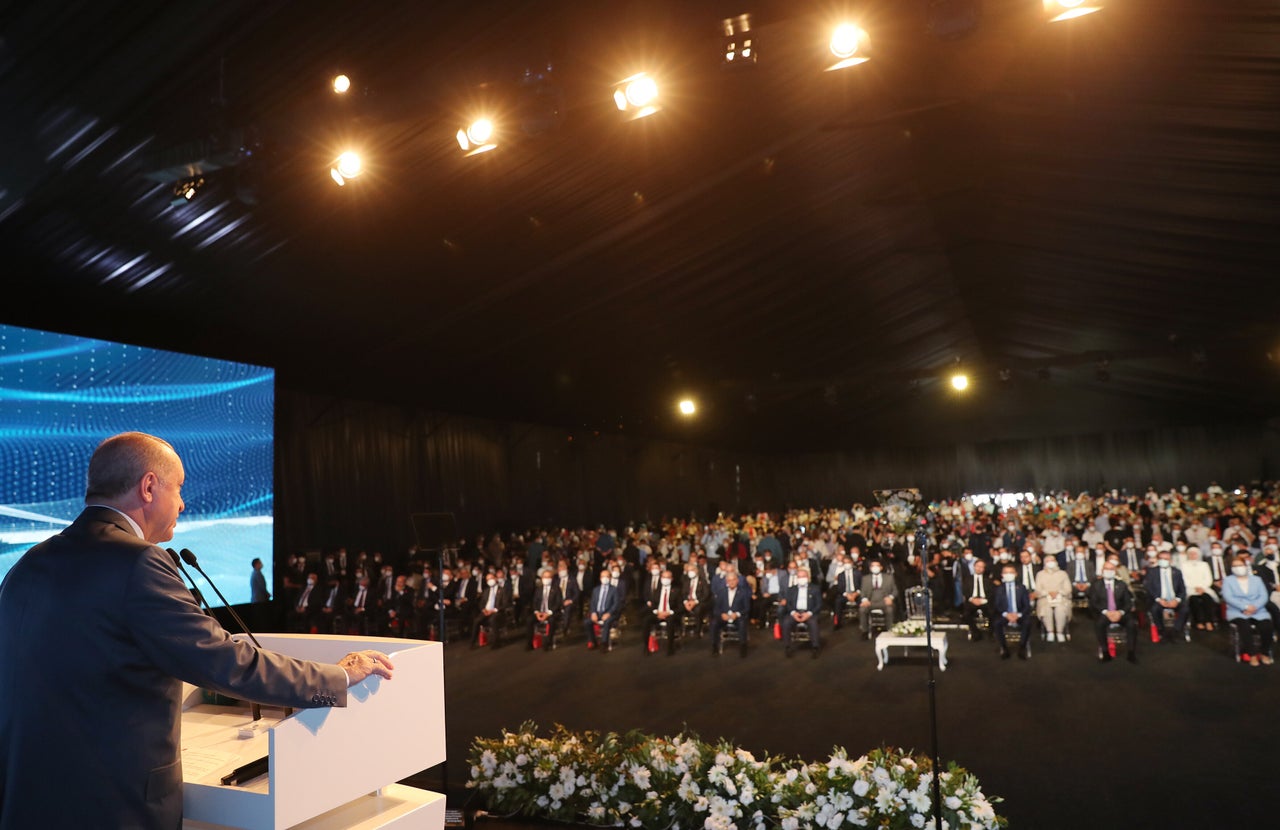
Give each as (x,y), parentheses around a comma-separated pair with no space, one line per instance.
(60,395)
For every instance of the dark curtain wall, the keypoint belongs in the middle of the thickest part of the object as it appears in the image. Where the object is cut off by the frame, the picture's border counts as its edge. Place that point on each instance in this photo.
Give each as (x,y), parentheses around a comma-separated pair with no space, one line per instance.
(1195,456)
(352,473)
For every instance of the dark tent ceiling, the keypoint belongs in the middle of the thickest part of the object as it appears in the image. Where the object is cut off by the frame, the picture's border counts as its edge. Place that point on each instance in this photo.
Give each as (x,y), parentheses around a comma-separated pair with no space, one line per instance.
(1081,215)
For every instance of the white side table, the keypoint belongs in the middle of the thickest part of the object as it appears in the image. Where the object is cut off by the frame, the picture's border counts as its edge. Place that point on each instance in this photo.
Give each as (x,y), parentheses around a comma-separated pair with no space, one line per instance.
(887,640)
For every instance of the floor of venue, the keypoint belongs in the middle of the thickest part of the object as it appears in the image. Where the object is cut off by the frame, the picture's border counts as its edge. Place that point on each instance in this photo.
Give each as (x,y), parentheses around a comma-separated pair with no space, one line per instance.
(1184,738)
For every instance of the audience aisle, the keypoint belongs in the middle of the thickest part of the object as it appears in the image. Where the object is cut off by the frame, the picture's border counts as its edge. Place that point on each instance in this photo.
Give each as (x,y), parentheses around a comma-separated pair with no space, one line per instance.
(1178,740)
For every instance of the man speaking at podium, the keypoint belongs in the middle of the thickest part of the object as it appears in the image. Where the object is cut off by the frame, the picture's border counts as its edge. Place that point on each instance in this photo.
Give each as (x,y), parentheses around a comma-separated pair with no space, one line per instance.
(97,633)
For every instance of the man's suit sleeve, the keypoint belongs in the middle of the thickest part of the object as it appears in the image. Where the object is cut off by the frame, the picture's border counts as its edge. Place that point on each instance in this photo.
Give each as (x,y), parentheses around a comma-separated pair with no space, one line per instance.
(185,643)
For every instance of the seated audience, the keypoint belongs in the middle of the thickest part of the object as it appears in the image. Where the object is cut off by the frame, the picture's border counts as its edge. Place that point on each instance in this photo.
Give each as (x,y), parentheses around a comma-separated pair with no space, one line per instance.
(1245,596)
(979,591)
(1053,600)
(804,605)
(1012,608)
(1112,603)
(732,609)
(878,593)
(1168,594)
(602,616)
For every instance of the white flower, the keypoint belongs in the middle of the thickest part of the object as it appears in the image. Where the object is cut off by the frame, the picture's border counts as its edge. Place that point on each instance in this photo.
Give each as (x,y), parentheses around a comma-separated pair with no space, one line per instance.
(952,802)
(917,820)
(810,789)
(543,801)
(919,802)
(881,776)
(556,791)
(489,761)
(624,807)
(791,775)
(860,787)
(596,811)
(522,759)
(635,821)
(835,821)
(641,776)
(790,823)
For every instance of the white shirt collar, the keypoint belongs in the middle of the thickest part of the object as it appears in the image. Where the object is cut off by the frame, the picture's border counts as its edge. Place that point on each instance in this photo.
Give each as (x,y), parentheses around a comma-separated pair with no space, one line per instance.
(137,530)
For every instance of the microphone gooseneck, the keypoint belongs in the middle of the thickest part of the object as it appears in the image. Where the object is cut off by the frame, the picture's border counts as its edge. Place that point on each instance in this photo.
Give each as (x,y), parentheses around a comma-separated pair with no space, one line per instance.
(195,592)
(190,559)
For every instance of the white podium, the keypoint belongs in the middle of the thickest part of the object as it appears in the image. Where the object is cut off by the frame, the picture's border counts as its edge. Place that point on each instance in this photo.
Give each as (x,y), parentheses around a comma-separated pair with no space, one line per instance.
(328,768)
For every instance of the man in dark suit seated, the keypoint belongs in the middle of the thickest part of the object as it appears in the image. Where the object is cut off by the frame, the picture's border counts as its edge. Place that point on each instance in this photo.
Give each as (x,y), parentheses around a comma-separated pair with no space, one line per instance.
(333,606)
(570,596)
(493,602)
(804,605)
(1111,601)
(695,594)
(1168,592)
(978,592)
(878,591)
(544,605)
(398,612)
(606,602)
(732,609)
(1012,607)
(1082,572)
(846,590)
(663,607)
(304,615)
(360,609)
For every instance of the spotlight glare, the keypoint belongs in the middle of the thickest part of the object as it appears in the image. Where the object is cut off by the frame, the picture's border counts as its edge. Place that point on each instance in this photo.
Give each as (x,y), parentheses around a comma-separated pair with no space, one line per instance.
(480,131)
(687,407)
(345,167)
(1059,10)
(846,39)
(477,137)
(636,96)
(642,91)
(959,381)
(341,83)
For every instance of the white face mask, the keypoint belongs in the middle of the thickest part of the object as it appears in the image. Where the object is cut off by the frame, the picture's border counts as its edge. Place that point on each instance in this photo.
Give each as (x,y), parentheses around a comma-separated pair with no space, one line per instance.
(801,581)
(1165,563)
(1010,577)
(1240,570)
(1051,564)
(606,581)
(491,582)
(1108,574)
(875,570)
(666,580)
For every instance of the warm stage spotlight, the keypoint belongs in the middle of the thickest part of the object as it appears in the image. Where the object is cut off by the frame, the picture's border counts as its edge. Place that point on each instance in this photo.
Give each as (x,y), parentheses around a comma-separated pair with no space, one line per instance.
(346,167)
(738,48)
(341,83)
(1059,10)
(849,45)
(687,407)
(477,137)
(636,96)
(959,381)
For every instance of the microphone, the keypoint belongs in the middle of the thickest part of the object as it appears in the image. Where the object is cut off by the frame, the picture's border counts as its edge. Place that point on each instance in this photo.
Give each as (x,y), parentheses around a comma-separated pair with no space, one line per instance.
(190,559)
(195,592)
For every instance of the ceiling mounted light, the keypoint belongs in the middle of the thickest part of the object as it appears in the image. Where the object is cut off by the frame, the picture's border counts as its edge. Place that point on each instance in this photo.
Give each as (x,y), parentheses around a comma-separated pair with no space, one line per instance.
(739,48)
(687,407)
(341,84)
(849,45)
(477,137)
(185,190)
(636,96)
(345,168)
(959,381)
(1060,10)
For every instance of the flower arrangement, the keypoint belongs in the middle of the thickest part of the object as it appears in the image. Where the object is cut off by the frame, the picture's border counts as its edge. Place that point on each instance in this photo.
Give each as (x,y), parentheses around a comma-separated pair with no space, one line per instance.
(908,628)
(639,780)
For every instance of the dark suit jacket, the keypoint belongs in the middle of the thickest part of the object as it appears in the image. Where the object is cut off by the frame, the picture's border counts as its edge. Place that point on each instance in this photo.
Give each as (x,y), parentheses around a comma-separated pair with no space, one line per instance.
(113,631)
(813,594)
(1089,573)
(1152,582)
(613,601)
(554,599)
(988,587)
(741,602)
(1022,601)
(1098,596)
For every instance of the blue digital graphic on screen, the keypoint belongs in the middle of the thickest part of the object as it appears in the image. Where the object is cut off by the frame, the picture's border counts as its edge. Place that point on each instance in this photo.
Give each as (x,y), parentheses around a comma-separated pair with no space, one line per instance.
(61,395)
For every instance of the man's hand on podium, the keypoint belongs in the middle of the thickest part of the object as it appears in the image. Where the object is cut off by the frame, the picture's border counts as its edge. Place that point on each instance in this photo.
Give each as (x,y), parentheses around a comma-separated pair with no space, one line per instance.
(360,664)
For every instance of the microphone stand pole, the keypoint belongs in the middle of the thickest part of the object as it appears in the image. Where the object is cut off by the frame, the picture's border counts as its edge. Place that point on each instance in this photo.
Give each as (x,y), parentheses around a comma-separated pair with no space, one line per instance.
(922,546)
(190,559)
